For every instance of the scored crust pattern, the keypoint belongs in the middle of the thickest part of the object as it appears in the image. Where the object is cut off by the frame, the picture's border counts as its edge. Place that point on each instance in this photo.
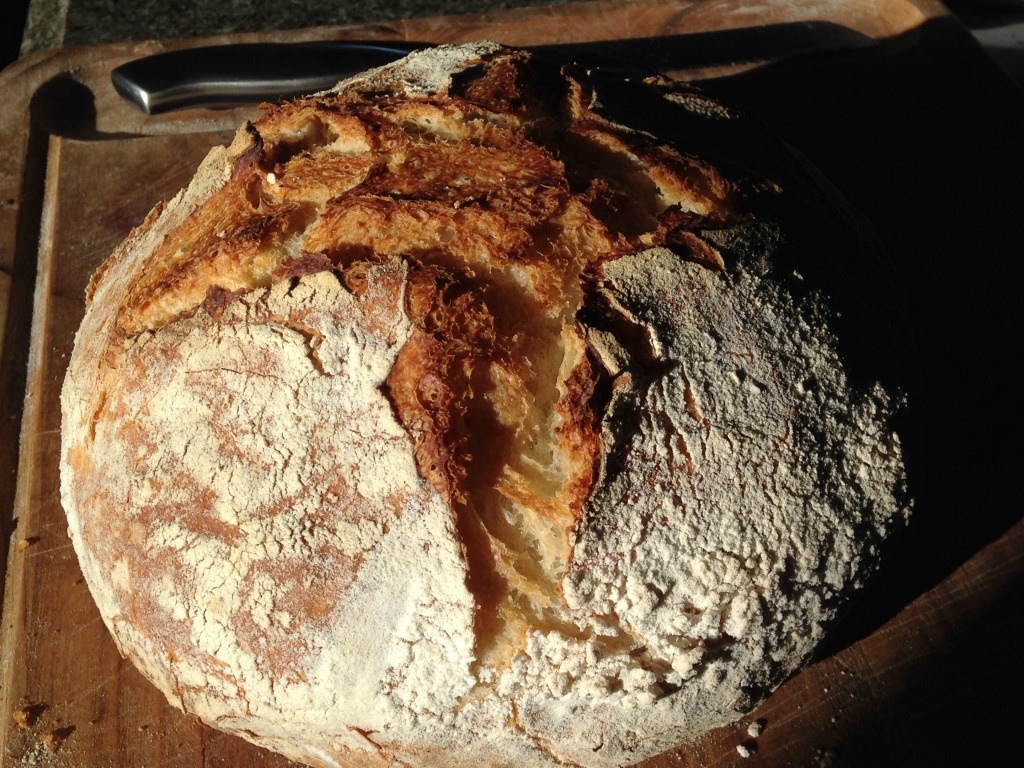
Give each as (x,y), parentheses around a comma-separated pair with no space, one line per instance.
(443,420)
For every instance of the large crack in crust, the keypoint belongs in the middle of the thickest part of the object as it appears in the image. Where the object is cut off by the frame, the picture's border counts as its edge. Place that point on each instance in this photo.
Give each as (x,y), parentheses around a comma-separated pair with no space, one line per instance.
(503,197)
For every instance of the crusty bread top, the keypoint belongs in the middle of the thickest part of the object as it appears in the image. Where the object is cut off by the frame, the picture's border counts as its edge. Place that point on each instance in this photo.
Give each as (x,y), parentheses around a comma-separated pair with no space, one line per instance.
(445,419)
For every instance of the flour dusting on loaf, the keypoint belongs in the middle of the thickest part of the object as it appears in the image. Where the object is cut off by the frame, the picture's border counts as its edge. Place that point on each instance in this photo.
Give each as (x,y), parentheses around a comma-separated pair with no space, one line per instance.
(485,411)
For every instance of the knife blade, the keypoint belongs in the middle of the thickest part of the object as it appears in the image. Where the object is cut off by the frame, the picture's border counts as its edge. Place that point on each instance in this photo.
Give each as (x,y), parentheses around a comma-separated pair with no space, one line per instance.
(248,73)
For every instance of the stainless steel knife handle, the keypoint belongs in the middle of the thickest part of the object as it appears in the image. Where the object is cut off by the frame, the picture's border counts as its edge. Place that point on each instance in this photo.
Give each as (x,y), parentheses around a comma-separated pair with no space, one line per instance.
(247,73)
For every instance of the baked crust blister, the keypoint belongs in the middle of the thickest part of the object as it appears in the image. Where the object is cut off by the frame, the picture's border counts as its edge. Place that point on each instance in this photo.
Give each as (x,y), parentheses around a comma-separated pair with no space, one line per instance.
(445,420)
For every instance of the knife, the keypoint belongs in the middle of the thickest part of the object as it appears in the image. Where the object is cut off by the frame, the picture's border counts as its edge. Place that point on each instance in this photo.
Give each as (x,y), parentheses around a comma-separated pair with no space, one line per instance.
(248,73)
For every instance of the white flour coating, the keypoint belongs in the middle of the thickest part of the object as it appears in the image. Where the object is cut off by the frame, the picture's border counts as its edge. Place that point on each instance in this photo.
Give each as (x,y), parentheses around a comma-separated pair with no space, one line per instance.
(708,590)
(278,567)
(725,579)
(421,72)
(255,498)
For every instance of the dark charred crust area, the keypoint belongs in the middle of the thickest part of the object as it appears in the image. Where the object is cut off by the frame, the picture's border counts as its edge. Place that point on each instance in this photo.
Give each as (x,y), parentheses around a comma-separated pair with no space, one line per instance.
(217,300)
(514,84)
(306,263)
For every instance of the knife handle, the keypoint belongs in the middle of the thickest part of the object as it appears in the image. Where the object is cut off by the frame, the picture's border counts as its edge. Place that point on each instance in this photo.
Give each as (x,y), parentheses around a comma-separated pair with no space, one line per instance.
(247,73)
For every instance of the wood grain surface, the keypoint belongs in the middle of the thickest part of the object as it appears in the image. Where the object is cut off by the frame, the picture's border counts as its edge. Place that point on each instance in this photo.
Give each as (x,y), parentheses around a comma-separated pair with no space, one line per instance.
(919,132)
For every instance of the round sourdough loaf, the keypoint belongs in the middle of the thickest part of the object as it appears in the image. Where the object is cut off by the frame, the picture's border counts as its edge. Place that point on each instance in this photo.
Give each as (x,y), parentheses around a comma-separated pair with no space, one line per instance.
(484,412)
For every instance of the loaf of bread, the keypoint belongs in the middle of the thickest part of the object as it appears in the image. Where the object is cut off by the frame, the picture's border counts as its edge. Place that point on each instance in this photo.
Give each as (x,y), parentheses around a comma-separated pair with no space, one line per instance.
(485,411)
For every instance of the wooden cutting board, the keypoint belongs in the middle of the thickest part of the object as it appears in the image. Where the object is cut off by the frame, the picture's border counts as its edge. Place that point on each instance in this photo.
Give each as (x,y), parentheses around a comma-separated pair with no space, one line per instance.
(919,131)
